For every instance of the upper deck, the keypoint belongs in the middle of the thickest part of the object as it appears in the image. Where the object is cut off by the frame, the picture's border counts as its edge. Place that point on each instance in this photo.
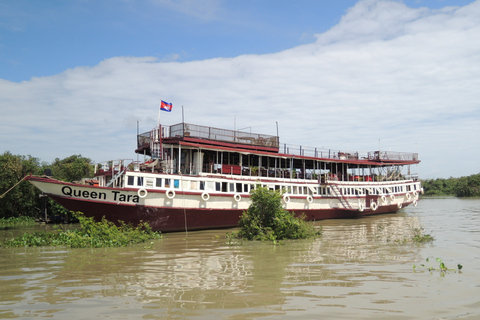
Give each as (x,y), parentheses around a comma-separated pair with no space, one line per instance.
(225,139)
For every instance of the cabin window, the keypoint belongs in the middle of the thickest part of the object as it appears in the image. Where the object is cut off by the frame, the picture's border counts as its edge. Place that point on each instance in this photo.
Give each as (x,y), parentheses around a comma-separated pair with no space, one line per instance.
(130,180)
(238,187)
(176,184)
(218,186)
(167,183)
(140,181)
(202,185)
(245,188)
(409,188)
(224,187)
(158,182)
(231,187)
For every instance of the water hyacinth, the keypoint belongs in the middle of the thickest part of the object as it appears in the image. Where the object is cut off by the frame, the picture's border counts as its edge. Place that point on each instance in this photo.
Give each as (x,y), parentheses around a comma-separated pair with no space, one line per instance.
(91,234)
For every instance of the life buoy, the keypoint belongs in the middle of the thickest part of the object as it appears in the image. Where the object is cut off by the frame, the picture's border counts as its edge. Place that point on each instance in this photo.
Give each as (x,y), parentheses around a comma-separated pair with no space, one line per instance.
(399,205)
(360,207)
(309,199)
(205,196)
(142,193)
(384,199)
(286,199)
(392,197)
(408,196)
(373,205)
(422,191)
(414,203)
(237,197)
(170,193)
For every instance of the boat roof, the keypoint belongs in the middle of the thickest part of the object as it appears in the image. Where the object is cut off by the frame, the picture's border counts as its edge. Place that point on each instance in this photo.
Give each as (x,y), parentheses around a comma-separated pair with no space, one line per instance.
(215,139)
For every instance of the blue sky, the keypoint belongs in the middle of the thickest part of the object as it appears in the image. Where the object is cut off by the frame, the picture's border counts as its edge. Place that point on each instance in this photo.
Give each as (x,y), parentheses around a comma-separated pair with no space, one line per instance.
(77,75)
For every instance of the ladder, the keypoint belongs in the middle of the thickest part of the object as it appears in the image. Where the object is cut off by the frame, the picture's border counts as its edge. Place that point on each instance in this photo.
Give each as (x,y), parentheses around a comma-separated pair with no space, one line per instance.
(155,143)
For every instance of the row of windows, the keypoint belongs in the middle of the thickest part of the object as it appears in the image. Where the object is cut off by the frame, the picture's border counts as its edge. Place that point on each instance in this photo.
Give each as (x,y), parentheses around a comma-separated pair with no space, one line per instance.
(240,187)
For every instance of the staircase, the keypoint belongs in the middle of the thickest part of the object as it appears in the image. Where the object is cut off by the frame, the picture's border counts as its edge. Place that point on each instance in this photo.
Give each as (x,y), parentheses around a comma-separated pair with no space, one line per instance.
(339,195)
(119,173)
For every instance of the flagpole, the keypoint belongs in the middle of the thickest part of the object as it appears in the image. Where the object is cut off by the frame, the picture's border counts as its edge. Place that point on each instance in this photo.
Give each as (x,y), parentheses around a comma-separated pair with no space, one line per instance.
(159,110)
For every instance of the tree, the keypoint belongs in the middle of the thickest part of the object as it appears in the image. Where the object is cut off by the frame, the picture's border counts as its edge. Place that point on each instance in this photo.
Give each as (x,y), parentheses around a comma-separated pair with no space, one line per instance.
(23,199)
(266,219)
(72,168)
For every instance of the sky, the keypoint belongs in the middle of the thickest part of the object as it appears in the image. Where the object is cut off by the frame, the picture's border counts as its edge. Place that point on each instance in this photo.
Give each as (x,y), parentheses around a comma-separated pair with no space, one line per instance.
(76,77)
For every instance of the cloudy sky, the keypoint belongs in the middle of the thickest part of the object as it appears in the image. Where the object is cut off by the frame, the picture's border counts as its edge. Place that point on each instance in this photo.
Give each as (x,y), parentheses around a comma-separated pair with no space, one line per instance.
(76,76)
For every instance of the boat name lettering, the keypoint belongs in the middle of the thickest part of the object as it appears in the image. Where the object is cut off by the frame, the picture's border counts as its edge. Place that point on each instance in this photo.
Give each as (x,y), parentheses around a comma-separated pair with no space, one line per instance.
(117,195)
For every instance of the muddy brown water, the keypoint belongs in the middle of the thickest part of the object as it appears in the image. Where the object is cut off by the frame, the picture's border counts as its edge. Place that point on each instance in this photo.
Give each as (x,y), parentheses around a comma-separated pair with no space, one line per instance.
(358,269)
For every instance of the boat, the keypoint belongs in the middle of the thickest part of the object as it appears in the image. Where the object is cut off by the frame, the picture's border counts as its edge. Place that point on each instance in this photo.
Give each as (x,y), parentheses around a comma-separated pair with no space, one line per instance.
(195,177)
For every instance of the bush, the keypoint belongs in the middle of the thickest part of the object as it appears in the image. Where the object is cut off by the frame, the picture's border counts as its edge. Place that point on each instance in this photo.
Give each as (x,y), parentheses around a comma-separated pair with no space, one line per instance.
(91,235)
(265,219)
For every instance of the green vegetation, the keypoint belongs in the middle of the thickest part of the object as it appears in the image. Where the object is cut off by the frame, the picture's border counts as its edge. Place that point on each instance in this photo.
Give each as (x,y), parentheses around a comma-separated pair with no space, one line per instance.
(265,219)
(458,187)
(441,267)
(72,168)
(6,223)
(91,235)
(418,237)
(23,199)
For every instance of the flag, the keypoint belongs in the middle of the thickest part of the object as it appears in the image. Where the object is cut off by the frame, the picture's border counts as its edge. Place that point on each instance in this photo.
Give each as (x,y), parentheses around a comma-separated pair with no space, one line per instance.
(165,106)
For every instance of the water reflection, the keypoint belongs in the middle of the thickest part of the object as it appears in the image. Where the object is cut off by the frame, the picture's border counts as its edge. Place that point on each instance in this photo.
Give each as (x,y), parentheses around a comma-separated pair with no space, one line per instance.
(357,265)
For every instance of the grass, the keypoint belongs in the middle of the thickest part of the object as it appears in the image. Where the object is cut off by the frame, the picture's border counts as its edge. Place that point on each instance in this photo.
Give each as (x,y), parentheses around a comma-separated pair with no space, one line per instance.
(90,235)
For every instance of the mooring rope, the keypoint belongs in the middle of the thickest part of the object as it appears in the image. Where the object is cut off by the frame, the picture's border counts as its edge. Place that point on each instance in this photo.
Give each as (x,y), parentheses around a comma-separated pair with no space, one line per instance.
(12,187)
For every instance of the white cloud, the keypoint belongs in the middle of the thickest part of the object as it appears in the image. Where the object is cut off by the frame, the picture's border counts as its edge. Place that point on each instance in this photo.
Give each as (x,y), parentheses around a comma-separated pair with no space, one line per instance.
(407,77)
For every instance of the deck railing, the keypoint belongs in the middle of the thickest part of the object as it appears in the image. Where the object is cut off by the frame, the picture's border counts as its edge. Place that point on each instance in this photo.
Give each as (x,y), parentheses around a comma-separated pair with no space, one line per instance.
(211,133)
(347,155)
(235,136)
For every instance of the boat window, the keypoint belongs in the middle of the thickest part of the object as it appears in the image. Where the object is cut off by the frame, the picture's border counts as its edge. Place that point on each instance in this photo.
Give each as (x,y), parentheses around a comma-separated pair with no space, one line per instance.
(245,188)
(167,183)
(218,186)
(224,187)
(140,181)
(231,187)
(238,187)
(202,185)
(176,184)
(130,180)
(158,182)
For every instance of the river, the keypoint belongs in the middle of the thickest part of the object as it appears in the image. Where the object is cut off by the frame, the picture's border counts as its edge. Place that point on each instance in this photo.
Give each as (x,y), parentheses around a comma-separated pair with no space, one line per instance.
(357,269)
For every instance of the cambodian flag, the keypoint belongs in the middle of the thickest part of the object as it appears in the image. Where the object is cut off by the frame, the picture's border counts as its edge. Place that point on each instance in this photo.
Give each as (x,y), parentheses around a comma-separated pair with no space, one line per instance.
(165,106)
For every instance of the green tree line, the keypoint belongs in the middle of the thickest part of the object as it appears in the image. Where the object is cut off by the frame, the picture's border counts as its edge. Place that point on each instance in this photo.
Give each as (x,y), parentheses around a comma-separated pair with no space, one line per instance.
(458,187)
(24,199)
